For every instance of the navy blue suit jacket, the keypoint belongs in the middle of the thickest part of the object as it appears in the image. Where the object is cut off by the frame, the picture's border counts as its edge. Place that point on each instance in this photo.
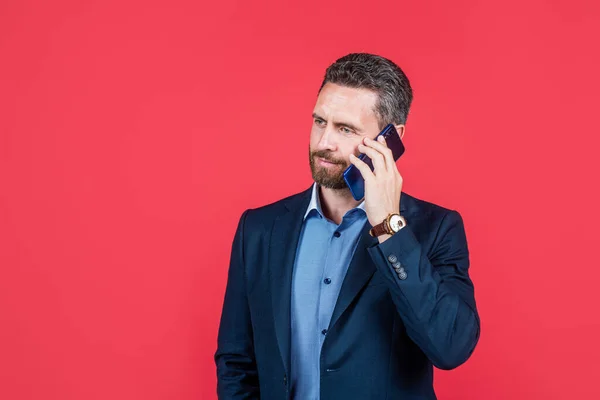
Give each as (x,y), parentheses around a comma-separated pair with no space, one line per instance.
(385,334)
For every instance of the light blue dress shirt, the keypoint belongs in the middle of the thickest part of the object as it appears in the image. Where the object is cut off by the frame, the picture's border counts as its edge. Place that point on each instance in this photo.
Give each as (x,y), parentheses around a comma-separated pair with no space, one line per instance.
(322,259)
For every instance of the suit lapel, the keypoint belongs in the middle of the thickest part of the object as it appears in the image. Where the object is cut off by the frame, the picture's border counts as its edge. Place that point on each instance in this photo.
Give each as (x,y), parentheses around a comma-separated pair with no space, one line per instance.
(359,272)
(282,255)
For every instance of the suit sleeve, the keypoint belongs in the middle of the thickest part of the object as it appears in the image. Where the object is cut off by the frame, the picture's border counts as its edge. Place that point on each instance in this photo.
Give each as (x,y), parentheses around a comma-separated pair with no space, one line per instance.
(237,375)
(435,298)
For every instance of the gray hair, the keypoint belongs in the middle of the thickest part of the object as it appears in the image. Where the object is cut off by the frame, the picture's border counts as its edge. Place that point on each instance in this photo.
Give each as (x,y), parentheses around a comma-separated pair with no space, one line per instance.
(369,71)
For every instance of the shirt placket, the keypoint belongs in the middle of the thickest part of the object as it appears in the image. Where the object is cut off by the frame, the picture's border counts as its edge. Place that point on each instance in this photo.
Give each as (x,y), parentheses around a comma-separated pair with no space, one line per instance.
(328,290)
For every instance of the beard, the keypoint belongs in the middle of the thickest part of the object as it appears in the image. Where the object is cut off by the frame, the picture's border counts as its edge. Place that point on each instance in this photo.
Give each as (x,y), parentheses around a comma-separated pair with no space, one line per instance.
(332,177)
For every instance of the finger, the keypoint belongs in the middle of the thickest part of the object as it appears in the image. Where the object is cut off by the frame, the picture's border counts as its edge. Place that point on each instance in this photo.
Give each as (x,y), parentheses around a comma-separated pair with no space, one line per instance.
(379,163)
(389,155)
(364,169)
(381,146)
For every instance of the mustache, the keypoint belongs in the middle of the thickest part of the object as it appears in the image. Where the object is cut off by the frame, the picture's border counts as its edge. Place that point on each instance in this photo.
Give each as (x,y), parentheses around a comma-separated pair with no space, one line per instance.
(324,154)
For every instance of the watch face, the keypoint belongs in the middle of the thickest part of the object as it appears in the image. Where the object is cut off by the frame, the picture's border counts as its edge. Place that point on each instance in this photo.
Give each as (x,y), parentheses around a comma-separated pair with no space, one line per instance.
(396,223)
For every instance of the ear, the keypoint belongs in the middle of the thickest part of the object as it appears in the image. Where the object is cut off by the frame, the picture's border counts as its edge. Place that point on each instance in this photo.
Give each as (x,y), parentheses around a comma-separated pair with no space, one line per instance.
(400,128)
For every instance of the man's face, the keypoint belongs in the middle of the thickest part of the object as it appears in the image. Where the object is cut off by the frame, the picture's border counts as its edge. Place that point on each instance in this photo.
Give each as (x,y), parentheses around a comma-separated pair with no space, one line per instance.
(342,117)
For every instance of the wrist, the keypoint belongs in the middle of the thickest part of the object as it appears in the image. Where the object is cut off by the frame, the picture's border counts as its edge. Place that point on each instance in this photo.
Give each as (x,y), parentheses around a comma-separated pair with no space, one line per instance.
(384,237)
(382,216)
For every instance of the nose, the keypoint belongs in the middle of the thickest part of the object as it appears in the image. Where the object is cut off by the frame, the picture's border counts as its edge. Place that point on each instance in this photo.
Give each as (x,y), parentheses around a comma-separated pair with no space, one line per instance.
(327,140)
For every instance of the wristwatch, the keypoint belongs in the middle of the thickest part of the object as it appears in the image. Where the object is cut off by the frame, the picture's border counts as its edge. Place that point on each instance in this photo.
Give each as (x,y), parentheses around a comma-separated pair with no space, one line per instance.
(392,224)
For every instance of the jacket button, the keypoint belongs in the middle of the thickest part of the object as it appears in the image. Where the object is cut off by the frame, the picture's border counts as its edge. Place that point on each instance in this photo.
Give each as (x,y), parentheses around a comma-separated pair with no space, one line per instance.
(396,265)
(392,258)
(402,275)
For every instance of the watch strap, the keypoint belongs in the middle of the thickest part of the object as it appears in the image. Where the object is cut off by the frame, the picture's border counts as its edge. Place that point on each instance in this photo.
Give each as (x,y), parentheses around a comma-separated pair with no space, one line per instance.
(381,229)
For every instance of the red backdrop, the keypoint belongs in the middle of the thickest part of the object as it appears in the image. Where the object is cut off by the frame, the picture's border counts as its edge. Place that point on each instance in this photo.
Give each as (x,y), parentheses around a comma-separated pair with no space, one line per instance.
(133,135)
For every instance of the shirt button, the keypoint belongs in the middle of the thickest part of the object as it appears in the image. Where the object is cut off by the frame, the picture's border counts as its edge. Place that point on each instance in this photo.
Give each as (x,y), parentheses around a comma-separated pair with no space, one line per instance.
(327,281)
(337,234)
(392,258)
(324,331)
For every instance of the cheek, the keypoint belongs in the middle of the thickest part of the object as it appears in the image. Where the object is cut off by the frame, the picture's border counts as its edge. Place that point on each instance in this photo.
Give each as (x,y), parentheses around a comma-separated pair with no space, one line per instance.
(351,148)
(315,137)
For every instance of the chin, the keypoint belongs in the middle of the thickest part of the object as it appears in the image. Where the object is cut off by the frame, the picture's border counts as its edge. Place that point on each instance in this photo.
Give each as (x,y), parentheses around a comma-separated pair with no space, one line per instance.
(331,182)
(326,178)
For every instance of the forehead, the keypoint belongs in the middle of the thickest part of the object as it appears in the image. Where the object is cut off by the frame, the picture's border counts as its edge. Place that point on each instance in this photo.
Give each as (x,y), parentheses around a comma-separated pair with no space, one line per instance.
(346,104)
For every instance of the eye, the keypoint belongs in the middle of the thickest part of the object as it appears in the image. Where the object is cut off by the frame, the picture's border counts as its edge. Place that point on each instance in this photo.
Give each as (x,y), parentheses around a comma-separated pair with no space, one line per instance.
(319,122)
(346,130)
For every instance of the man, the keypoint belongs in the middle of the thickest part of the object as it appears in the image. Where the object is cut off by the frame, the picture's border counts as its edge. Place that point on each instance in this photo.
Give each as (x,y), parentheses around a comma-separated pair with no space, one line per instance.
(332,298)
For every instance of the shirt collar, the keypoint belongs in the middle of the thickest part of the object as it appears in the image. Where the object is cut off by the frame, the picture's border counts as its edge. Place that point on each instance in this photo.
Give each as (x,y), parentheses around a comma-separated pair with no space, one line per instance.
(315,202)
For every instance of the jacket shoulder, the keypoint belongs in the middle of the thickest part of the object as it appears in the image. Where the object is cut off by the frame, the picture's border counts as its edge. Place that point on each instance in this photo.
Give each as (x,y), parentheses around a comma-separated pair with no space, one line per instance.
(265,215)
(426,208)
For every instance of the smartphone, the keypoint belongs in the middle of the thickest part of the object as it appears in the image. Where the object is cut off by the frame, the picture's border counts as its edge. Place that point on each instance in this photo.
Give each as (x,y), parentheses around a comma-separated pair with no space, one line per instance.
(352,175)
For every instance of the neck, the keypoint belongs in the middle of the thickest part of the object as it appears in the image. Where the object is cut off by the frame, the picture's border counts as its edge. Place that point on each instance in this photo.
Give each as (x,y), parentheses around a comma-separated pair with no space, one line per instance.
(335,203)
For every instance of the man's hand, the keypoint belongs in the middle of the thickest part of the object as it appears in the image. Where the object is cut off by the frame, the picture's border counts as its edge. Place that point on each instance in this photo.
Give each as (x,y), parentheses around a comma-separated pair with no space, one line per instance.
(383,185)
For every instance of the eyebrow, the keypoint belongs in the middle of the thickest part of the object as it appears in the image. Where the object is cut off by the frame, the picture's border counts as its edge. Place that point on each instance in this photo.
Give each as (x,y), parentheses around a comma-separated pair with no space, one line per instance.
(346,124)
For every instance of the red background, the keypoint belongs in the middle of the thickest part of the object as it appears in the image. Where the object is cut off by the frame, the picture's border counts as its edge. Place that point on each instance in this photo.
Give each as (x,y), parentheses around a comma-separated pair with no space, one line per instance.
(134,134)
